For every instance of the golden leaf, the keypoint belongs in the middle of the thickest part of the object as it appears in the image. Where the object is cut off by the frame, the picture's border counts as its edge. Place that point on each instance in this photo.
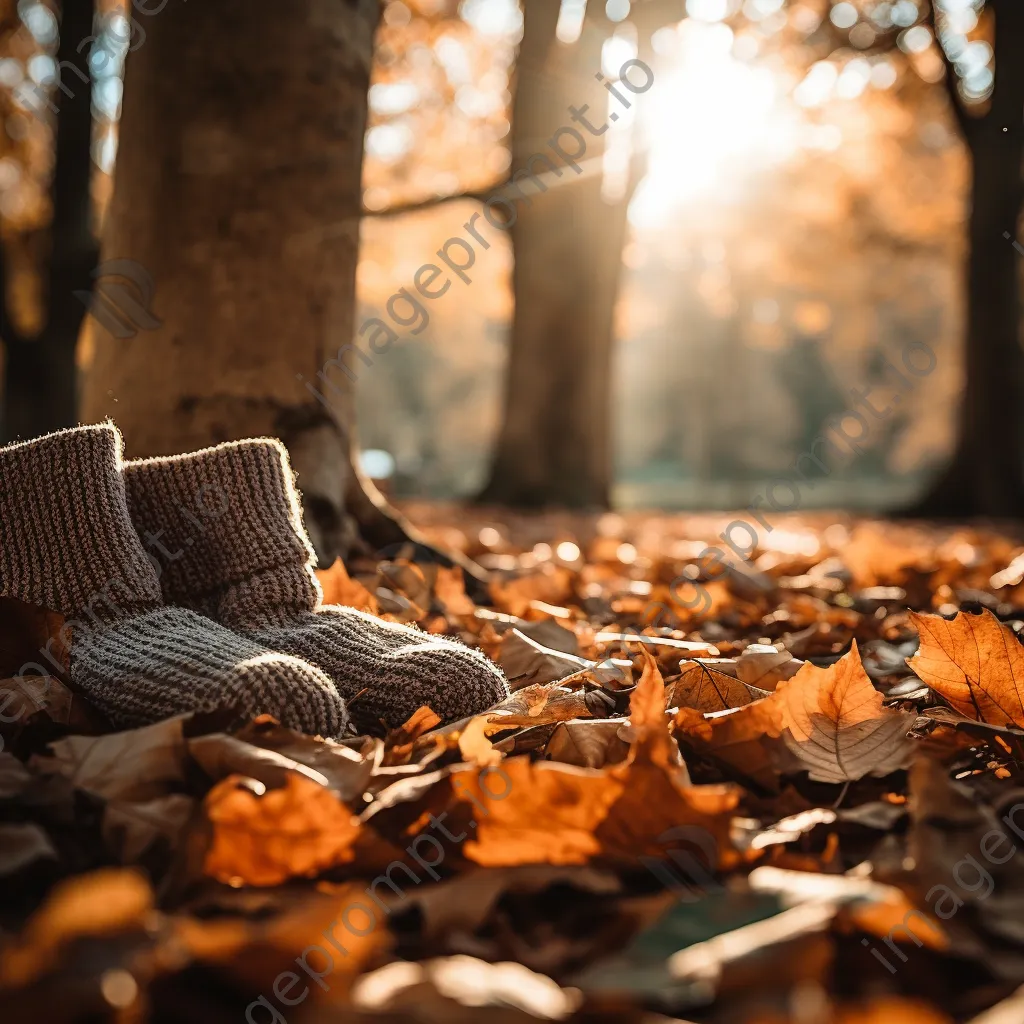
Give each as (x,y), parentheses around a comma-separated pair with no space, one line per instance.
(975,662)
(299,830)
(837,725)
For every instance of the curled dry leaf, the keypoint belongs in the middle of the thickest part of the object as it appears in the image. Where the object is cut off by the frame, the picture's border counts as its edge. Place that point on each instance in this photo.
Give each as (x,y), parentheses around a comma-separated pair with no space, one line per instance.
(526,661)
(399,742)
(764,667)
(474,745)
(745,742)
(346,771)
(301,829)
(975,662)
(22,845)
(541,704)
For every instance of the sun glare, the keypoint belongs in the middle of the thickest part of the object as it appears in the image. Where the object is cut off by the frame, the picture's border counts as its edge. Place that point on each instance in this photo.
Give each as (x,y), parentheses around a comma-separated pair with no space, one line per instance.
(711,121)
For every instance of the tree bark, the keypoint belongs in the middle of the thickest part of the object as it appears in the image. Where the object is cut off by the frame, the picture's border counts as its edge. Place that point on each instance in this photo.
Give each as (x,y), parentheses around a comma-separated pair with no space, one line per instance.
(555,442)
(40,376)
(986,473)
(238,190)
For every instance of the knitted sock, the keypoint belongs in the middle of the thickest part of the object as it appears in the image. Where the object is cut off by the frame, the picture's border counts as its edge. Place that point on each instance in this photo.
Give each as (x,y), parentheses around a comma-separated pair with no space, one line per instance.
(229,521)
(67,544)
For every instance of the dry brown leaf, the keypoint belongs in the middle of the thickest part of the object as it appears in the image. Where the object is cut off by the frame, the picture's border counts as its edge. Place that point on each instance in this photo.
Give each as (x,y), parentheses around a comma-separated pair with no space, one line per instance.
(22,845)
(832,720)
(296,831)
(346,771)
(746,742)
(837,724)
(706,688)
(975,662)
(586,744)
(765,667)
(421,721)
(549,813)
(540,704)
(340,588)
(136,765)
(526,661)
(130,829)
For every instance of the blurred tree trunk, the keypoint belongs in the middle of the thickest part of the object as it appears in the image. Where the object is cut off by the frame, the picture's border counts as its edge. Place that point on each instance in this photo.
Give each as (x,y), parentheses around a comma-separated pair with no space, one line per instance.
(555,441)
(39,376)
(986,474)
(238,190)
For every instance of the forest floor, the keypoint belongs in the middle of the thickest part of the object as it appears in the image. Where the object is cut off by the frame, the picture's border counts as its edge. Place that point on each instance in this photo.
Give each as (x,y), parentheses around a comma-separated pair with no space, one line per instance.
(795,801)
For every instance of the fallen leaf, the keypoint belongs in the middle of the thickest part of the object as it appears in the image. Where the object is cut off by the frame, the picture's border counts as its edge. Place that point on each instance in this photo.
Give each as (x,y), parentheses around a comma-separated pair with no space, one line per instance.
(764,667)
(265,837)
(346,771)
(450,591)
(340,588)
(837,725)
(704,687)
(527,662)
(135,765)
(975,662)
(474,745)
(589,744)
(130,829)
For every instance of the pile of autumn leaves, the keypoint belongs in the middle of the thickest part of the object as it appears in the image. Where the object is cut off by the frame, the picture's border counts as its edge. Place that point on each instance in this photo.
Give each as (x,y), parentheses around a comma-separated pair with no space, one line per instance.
(829,722)
(606,744)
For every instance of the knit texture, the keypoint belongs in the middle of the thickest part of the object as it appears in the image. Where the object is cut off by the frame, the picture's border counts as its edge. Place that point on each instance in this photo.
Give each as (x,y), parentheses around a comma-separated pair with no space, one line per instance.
(66,539)
(172,660)
(251,568)
(67,543)
(228,527)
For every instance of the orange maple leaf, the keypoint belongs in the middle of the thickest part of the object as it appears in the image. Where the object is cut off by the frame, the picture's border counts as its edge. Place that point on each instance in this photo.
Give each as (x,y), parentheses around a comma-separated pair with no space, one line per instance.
(975,662)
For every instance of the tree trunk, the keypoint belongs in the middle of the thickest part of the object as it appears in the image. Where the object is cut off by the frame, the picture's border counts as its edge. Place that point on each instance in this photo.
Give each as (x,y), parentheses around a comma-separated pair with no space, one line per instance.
(986,474)
(39,378)
(238,191)
(555,442)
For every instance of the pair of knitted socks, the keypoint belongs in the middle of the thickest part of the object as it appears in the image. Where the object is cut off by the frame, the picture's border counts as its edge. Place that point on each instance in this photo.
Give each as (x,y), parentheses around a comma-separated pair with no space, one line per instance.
(187,584)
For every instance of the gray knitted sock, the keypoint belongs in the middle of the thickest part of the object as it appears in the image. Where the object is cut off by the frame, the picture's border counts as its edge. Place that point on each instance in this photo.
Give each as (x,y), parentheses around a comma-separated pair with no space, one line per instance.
(67,544)
(229,521)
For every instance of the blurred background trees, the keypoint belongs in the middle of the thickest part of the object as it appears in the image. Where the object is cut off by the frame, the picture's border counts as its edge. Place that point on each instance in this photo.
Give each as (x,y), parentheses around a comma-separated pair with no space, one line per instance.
(782,213)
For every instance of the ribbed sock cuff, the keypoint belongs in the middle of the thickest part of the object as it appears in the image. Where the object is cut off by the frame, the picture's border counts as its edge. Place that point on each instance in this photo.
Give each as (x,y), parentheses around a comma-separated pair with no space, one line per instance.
(220,518)
(66,540)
